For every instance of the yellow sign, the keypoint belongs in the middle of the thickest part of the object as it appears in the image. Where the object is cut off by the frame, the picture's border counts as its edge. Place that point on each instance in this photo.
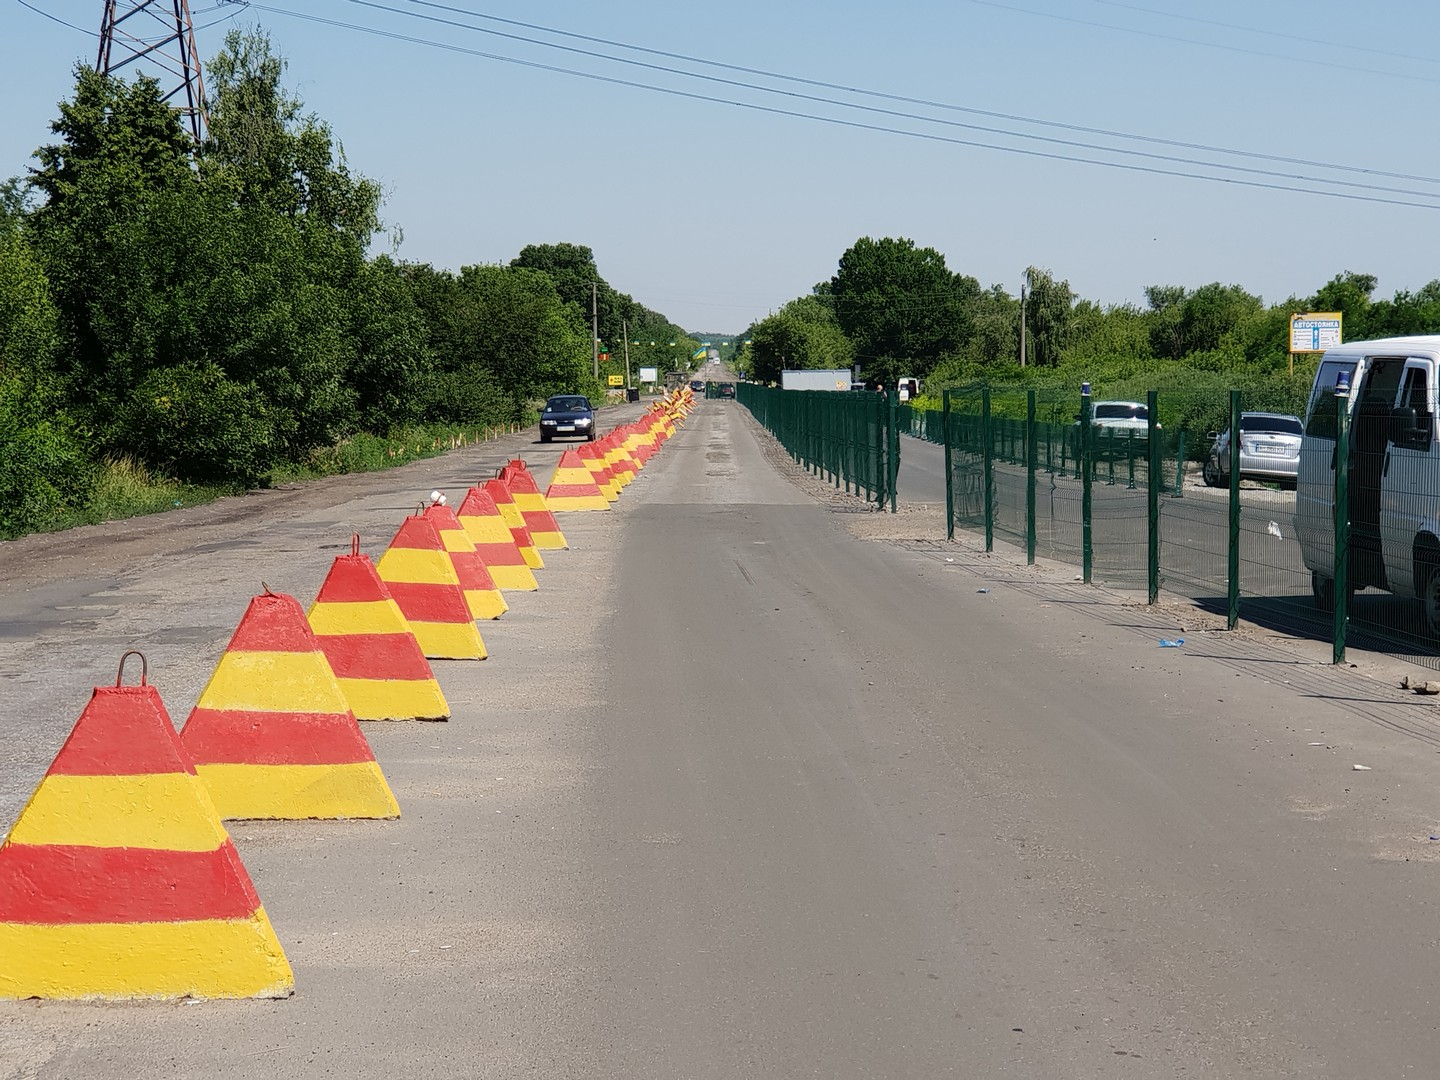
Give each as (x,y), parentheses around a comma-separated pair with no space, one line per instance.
(617,380)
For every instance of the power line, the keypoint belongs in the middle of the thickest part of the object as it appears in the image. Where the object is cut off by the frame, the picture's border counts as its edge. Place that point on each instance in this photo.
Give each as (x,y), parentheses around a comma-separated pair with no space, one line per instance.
(821,84)
(1203,44)
(857,125)
(1283,35)
(54,19)
(896,114)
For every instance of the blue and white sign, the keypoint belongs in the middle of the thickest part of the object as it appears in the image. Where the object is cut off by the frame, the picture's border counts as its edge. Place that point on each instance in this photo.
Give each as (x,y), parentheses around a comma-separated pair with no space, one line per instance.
(1315,331)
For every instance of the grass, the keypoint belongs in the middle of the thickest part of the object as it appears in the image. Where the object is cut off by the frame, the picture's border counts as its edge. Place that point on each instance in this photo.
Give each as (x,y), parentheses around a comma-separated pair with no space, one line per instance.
(124,487)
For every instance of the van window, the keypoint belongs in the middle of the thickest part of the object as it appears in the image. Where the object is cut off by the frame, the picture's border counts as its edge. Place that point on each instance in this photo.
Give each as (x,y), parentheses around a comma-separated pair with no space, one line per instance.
(1415,394)
(1320,418)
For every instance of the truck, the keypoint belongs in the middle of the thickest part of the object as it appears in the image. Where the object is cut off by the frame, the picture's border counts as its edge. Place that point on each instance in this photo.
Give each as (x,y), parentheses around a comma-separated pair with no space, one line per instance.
(817,379)
(1387,390)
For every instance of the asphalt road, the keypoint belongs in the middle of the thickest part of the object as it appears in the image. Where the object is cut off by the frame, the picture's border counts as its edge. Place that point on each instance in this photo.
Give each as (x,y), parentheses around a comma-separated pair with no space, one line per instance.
(740,794)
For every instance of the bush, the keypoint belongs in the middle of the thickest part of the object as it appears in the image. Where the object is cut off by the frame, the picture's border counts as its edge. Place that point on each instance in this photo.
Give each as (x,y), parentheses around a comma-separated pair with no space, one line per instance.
(196,423)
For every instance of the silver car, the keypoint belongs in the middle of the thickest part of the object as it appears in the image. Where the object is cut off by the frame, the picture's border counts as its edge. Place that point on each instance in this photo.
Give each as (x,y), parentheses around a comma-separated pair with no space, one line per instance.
(1269,450)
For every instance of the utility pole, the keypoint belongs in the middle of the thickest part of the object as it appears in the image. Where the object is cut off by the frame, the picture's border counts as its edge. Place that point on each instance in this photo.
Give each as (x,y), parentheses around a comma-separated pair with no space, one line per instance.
(625,330)
(1022,317)
(595,326)
(163,35)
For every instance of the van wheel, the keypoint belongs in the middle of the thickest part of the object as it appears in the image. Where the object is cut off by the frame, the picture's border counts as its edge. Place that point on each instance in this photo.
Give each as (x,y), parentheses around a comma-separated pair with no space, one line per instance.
(1430,597)
(1323,589)
(1211,473)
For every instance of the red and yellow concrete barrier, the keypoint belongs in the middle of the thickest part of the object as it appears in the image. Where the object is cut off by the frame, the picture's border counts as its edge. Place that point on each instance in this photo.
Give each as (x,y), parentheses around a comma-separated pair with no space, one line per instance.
(273,736)
(573,486)
(481,594)
(495,543)
(378,663)
(544,529)
(119,881)
(604,478)
(420,576)
(622,466)
(510,511)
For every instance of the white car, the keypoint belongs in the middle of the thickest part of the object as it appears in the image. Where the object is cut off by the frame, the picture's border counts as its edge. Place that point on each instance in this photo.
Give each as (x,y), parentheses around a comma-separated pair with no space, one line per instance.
(1117,427)
(1269,450)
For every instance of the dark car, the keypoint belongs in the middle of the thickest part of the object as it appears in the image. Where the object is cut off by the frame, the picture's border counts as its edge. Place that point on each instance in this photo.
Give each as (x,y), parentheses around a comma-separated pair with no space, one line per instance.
(567,414)
(727,389)
(697,385)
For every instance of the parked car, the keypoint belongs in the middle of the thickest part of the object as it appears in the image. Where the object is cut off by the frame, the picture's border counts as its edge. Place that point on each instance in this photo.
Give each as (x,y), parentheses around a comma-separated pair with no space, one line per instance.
(1269,450)
(567,414)
(1117,426)
(698,385)
(727,389)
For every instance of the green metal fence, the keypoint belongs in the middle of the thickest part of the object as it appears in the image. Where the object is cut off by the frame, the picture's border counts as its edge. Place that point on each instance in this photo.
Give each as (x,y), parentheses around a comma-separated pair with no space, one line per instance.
(1161,503)
(850,438)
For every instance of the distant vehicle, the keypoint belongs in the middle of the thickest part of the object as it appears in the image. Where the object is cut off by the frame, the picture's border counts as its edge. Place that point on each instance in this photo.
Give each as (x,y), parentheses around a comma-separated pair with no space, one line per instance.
(1388,390)
(909,387)
(816,379)
(1269,450)
(1117,428)
(567,414)
(727,389)
(698,385)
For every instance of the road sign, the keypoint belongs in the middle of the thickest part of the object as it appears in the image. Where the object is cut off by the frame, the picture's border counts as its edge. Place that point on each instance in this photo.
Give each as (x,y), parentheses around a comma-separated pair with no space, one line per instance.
(1314,331)
(617,380)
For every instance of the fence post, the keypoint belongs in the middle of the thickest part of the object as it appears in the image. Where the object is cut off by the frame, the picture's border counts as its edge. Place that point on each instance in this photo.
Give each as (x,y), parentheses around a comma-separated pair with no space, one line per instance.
(1152,497)
(1232,616)
(1342,519)
(894,445)
(1084,457)
(987,437)
(1031,463)
(1130,456)
(1180,467)
(949,466)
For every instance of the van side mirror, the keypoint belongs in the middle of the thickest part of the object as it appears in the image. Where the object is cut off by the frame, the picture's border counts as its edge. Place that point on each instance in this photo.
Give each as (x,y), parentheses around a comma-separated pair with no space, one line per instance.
(1410,428)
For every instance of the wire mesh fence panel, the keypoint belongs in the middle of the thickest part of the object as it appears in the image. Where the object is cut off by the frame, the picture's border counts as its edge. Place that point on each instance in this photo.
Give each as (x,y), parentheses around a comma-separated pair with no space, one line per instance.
(838,436)
(967,459)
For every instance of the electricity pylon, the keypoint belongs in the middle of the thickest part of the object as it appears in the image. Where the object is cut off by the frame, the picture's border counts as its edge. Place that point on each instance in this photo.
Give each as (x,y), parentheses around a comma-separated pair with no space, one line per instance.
(162,35)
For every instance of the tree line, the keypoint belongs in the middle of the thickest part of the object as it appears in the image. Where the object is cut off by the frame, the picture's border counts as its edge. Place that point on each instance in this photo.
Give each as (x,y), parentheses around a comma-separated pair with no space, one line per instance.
(213,313)
(895,309)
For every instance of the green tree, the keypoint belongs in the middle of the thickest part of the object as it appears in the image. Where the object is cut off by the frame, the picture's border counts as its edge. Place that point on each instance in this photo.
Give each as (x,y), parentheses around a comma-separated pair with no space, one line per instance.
(513,329)
(900,306)
(268,152)
(45,466)
(1349,293)
(1047,316)
(801,335)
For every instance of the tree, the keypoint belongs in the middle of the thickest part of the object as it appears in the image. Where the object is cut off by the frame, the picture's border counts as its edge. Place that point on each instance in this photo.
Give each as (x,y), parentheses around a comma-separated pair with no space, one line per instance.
(44,465)
(802,334)
(268,152)
(513,328)
(900,306)
(1047,316)
(1349,294)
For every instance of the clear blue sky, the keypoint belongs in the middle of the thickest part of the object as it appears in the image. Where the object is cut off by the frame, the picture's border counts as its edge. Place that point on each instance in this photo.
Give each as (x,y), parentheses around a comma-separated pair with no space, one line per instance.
(716,215)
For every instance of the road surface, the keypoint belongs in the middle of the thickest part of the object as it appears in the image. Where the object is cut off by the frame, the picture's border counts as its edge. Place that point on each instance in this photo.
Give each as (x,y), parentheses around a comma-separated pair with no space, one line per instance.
(742,794)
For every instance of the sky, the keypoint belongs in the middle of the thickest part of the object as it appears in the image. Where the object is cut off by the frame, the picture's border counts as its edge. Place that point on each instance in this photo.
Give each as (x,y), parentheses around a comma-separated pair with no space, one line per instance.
(716,215)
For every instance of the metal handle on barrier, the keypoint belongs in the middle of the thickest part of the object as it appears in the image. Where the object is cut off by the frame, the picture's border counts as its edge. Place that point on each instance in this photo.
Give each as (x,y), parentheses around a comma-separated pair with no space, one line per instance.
(144,667)
(354,543)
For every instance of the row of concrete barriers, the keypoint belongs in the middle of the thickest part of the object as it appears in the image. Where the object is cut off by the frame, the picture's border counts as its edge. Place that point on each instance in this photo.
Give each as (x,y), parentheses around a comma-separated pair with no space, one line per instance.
(119,881)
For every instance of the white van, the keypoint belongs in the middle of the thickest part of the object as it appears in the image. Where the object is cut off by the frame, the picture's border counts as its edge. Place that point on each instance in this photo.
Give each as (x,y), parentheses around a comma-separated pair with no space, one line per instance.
(1394,471)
